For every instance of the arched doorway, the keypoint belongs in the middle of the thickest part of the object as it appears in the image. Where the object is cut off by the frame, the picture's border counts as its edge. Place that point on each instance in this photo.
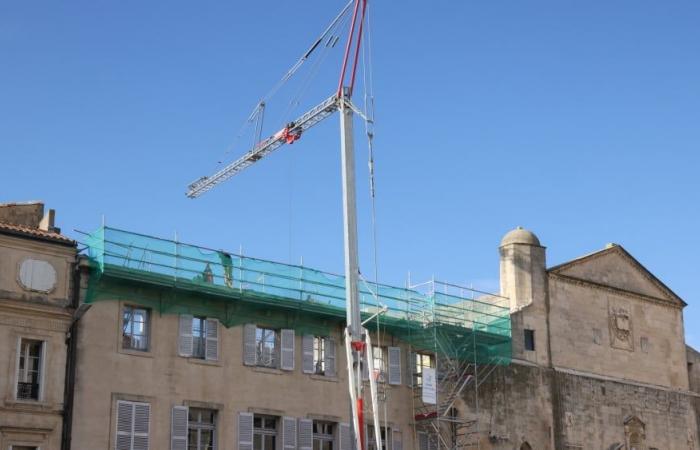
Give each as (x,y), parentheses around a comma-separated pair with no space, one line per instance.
(525,446)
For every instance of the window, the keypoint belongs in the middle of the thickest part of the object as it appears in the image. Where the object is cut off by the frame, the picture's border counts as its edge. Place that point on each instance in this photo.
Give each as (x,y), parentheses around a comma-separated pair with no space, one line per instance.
(320,350)
(422,361)
(323,435)
(133,423)
(135,328)
(529,340)
(29,369)
(201,429)
(371,438)
(199,337)
(266,343)
(379,361)
(264,432)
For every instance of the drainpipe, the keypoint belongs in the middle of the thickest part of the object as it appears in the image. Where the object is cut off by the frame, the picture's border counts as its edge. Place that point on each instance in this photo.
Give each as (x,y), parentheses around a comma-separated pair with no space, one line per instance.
(71,356)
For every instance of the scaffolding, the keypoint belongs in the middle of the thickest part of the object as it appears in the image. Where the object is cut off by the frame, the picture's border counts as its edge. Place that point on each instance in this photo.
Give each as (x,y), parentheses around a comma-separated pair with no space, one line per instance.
(465,333)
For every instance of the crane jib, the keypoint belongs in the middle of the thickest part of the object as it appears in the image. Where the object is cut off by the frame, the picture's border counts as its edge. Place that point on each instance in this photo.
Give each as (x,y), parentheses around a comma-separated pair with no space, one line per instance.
(288,135)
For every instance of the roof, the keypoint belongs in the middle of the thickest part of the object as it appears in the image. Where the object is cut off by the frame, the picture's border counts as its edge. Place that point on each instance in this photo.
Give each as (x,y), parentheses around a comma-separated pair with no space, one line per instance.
(616,248)
(520,236)
(35,233)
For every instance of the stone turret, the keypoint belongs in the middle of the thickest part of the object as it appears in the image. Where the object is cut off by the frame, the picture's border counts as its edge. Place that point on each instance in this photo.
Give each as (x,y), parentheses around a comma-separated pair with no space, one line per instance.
(523,269)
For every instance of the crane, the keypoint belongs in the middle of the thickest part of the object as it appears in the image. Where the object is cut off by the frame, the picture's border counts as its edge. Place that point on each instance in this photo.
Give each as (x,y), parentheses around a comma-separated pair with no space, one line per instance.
(356,340)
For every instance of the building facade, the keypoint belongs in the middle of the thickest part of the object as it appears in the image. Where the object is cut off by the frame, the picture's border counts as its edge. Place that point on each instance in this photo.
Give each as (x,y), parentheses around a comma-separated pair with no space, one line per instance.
(36,308)
(165,345)
(599,356)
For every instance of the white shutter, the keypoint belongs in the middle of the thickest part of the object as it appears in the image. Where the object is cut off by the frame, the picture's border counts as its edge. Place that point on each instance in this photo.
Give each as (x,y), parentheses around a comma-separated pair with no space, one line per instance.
(212,342)
(184,346)
(287,355)
(394,365)
(397,441)
(289,433)
(245,431)
(306,434)
(142,417)
(329,357)
(307,350)
(125,425)
(249,353)
(344,437)
(178,428)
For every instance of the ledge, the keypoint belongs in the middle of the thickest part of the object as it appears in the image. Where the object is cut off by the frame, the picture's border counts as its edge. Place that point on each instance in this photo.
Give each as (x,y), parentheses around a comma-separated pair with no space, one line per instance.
(143,354)
(204,362)
(314,376)
(270,370)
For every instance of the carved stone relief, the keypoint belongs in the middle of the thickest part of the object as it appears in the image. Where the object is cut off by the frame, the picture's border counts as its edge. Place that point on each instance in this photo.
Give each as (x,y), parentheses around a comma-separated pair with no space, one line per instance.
(620,324)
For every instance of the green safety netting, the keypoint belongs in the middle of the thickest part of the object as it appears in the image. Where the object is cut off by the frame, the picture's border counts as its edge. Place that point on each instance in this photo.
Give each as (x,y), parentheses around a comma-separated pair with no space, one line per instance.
(173,277)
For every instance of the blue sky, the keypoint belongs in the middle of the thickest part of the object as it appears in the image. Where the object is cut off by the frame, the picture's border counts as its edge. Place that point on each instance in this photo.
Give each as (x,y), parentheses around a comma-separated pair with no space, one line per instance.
(578,120)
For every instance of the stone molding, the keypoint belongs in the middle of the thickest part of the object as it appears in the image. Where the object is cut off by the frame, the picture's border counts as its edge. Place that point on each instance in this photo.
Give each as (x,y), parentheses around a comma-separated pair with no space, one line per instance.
(614,290)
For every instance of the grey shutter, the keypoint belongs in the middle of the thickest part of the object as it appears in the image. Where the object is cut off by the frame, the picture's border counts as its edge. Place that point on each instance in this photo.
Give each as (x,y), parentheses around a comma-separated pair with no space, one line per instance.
(142,417)
(410,368)
(125,423)
(394,365)
(287,350)
(307,350)
(249,353)
(344,437)
(422,441)
(178,428)
(245,431)
(212,342)
(306,434)
(289,433)
(184,345)
(329,357)
(397,441)
(365,365)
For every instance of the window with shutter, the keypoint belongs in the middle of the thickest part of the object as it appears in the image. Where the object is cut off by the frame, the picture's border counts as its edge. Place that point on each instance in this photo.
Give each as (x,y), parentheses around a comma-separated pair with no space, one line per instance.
(308,352)
(329,357)
(178,428)
(344,437)
(287,344)
(371,437)
(397,441)
(289,433)
(323,433)
(185,337)
(306,435)
(394,365)
(245,431)
(266,347)
(249,345)
(133,423)
(201,429)
(264,432)
(212,342)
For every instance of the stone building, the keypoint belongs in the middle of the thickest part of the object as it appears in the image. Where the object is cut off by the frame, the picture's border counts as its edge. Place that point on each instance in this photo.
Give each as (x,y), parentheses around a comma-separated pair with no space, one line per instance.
(36,298)
(181,347)
(599,356)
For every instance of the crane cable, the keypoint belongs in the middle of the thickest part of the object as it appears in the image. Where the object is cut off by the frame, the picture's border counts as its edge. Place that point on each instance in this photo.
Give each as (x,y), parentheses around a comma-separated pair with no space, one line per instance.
(259,107)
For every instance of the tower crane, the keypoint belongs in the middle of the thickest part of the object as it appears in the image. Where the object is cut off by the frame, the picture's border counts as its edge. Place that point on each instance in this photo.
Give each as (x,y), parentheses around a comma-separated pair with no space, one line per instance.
(356,340)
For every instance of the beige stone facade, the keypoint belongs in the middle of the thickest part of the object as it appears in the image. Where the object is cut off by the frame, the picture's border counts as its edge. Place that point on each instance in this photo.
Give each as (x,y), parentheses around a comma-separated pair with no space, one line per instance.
(599,362)
(36,267)
(608,368)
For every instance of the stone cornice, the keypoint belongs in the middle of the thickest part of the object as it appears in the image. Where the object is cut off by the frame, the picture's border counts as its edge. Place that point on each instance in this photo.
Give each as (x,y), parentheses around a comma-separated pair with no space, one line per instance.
(25,308)
(636,295)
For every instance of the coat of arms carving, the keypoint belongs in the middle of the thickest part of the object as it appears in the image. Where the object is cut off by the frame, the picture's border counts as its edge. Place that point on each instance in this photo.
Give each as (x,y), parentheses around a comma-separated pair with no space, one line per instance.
(621,328)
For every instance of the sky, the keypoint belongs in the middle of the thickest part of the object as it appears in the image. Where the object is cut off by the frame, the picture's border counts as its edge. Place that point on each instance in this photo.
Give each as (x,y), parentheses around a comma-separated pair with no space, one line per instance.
(578,120)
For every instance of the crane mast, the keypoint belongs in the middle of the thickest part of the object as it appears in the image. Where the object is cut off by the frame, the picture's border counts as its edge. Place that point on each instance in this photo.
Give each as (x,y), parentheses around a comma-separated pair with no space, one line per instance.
(355,339)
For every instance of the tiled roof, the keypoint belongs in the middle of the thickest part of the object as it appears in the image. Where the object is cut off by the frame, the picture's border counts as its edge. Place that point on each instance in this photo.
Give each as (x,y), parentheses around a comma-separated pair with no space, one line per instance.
(8,228)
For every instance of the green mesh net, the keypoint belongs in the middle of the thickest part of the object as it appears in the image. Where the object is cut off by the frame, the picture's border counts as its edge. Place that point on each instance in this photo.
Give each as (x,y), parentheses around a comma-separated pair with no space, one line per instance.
(172,277)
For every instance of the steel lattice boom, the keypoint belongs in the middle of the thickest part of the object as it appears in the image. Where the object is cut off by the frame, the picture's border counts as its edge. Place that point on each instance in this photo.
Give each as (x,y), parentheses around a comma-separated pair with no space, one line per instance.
(287,135)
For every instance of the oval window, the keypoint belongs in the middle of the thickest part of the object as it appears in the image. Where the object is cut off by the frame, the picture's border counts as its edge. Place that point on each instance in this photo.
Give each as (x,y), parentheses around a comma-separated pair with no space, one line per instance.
(37,275)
